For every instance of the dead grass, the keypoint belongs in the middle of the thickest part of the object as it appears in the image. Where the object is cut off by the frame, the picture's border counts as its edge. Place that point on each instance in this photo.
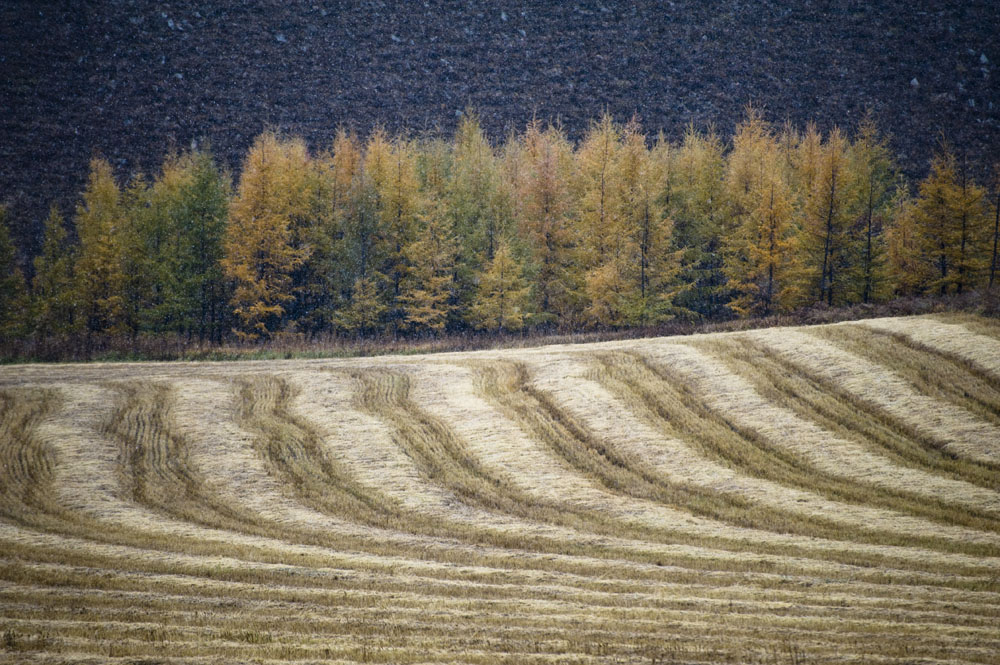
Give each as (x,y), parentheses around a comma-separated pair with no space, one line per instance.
(739,498)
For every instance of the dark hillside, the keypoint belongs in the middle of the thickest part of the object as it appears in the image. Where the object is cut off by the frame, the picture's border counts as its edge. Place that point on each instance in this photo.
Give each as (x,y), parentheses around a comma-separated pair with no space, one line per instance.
(129,79)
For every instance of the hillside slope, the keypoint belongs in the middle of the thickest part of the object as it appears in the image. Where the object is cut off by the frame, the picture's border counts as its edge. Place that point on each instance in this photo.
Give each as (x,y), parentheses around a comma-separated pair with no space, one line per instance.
(789,495)
(128,80)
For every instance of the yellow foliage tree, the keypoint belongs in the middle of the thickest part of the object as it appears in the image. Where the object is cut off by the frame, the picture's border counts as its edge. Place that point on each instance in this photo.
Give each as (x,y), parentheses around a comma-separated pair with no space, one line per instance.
(428,287)
(273,194)
(502,298)
(544,177)
(99,279)
(629,283)
(824,243)
(951,221)
(758,255)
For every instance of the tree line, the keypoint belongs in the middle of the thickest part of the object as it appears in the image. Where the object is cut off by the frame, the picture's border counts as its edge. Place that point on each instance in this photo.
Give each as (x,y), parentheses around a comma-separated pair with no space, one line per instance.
(400,235)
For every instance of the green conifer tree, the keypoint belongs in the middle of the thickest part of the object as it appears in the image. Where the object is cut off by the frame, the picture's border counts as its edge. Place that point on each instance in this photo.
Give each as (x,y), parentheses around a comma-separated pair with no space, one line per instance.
(52,288)
(14,310)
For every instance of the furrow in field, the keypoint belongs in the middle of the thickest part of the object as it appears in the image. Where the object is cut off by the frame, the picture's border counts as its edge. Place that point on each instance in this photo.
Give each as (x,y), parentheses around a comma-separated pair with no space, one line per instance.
(954,429)
(384,465)
(109,499)
(26,464)
(842,413)
(625,611)
(192,574)
(484,525)
(569,386)
(980,325)
(353,565)
(562,622)
(37,602)
(523,478)
(954,339)
(388,632)
(935,374)
(501,507)
(761,441)
(734,399)
(89,488)
(274,582)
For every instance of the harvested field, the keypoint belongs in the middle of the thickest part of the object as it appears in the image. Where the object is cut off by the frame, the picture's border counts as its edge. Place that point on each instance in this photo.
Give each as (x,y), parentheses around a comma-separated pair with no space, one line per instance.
(810,495)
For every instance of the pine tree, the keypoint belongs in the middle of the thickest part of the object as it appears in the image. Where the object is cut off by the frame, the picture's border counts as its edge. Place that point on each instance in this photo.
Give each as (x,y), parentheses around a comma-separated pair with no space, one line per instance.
(657,265)
(357,242)
(52,287)
(142,241)
(364,311)
(259,246)
(14,308)
(502,298)
(392,166)
(907,268)
(182,235)
(205,197)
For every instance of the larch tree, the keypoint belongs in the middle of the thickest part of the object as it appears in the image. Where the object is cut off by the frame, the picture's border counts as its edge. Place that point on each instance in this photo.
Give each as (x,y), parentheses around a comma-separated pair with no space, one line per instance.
(597,221)
(205,198)
(693,198)
(143,266)
(392,166)
(871,186)
(428,287)
(645,176)
(951,220)
(479,202)
(14,309)
(259,254)
(365,308)
(99,281)
(908,270)
(631,285)
(361,306)
(52,287)
(824,243)
(189,205)
(503,298)
(602,243)
(546,205)
(807,160)
(758,247)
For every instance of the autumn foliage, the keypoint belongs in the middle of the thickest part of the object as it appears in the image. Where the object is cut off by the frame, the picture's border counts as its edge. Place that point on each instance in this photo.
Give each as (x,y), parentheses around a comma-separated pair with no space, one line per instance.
(408,236)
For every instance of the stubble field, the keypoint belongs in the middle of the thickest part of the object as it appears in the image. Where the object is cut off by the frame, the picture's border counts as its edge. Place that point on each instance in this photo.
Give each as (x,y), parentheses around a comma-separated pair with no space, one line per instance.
(788,495)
